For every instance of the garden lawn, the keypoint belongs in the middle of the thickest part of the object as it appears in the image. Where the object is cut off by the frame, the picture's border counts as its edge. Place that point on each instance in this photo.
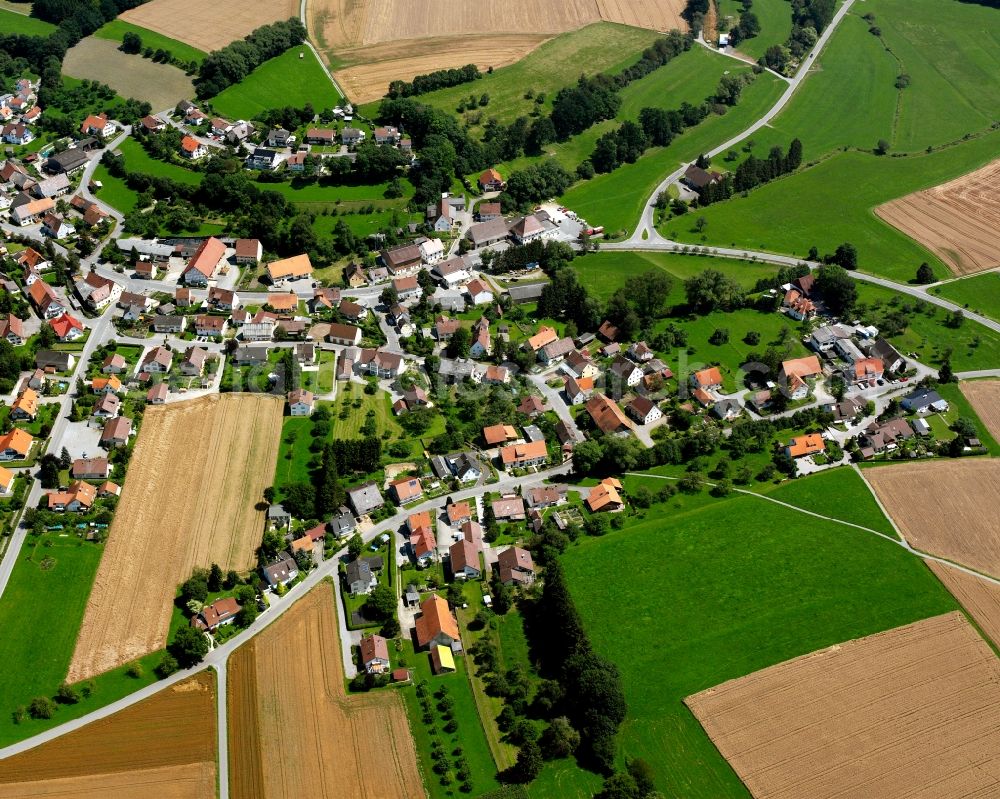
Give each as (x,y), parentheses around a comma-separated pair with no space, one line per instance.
(960,406)
(603,273)
(828,204)
(616,200)
(285,80)
(980,294)
(469,735)
(13,22)
(602,47)
(50,600)
(329,196)
(775,17)
(839,493)
(114,191)
(293,452)
(117,28)
(351,426)
(138,160)
(772,584)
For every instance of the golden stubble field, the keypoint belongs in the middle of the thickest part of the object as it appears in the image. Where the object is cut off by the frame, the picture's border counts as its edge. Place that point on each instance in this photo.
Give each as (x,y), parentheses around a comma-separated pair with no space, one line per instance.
(948,508)
(293,731)
(211,26)
(984,396)
(957,221)
(162,747)
(905,713)
(980,598)
(376,41)
(190,499)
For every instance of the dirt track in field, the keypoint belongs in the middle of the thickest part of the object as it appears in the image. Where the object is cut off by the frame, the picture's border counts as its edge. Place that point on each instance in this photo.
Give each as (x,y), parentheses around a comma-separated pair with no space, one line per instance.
(910,712)
(984,396)
(384,40)
(161,85)
(209,26)
(162,747)
(190,499)
(293,732)
(980,598)
(957,221)
(948,508)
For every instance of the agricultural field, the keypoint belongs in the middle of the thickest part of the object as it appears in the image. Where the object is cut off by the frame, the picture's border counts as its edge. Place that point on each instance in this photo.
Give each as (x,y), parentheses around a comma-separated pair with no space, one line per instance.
(979,597)
(773,584)
(161,85)
(946,508)
(374,43)
(356,747)
(286,80)
(980,293)
(117,28)
(957,221)
(830,723)
(984,396)
(197,475)
(775,19)
(214,26)
(17,21)
(163,746)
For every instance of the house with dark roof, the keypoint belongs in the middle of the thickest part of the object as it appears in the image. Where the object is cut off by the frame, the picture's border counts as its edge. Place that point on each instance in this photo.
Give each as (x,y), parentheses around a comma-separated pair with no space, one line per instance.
(358,577)
(281,571)
(516,567)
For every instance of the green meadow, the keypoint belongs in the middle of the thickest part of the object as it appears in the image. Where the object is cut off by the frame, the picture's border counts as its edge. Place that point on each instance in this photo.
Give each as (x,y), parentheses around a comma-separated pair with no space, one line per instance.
(117,28)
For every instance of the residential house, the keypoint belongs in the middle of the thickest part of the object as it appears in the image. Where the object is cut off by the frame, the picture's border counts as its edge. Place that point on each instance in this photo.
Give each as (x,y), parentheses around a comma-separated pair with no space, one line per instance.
(466,468)
(157,360)
(520,456)
(431,250)
(402,261)
(709,379)
(208,325)
(824,339)
(491,180)
(530,228)
(924,400)
(358,577)
(282,571)
(145,270)
(382,363)
(406,286)
(211,617)
(152,124)
(365,498)
(352,136)
(605,496)
(644,410)
(17,133)
(352,311)
(305,353)
(346,335)
(157,395)
(625,372)
(96,291)
(406,489)
(794,374)
(79,497)
(169,324)
(727,409)
(531,406)
(193,362)
(31,212)
(463,559)
(57,361)
(436,626)
(516,567)
(354,276)
(300,402)
(499,434)
(6,481)
(108,406)
(458,370)
(458,513)
(578,389)
(321,136)
(386,135)
(487,211)
(865,372)
(555,351)
(606,414)
(374,654)
(248,251)
(880,437)
(508,509)
(15,445)
(423,544)
(797,305)
(56,186)
(808,444)
(25,407)
(97,125)
(442,660)
(545,336)
(697,178)
(56,227)
(67,328)
(892,361)
(240,132)
(581,364)
(204,262)
(298,267)
(263,159)
(278,137)
(451,272)
(541,497)
(323,299)
(285,302)
(192,148)
(445,328)
(102,385)
(68,162)
(12,329)
(640,352)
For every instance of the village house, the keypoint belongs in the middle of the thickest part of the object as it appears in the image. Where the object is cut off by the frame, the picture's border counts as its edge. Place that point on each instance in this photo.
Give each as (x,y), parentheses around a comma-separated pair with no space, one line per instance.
(15,445)
(824,339)
(491,180)
(809,444)
(56,227)
(204,262)
(374,654)
(516,567)
(91,469)
(31,212)
(193,362)
(192,148)
(605,496)
(520,456)
(606,414)
(508,509)
(797,305)
(346,335)
(578,389)
(436,626)
(531,228)
(923,401)
(555,351)
(282,571)
(483,234)
(382,363)
(152,124)
(223,299)
(67,327)
(96,291)
(697,178)
(458,513)
(97,125)
(865,372)
(431,250)
(300,402)
(709,379)
(298,267)
(108,406)
(406,489)
(365,498)
(210,326)
(67,162)
(423,544)
(359,578)
(114,364)
(157,395)
(211,617)
(531,406)
(541,497)
(727,409)
(451,273)
(406,286)
(169,324)
(12,329)
(351,136)
(881,437)
(78,497)
(57,361)
(25,407)
(487,211)
(625,371)
(463,558)
(402,261)
(581,364)
(794,374)
(157,360)
(499,434)
(892,361)
(545,336)
(263,159)
(644,410)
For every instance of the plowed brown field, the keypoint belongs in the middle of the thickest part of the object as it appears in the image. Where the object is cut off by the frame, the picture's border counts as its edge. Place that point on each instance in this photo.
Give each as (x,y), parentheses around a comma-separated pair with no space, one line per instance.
(948,508)
(905,713)
(162,747)
(984,396)
(293,732)
(957,221)
(383,40)
(981,599)
(213,26)
(197,474)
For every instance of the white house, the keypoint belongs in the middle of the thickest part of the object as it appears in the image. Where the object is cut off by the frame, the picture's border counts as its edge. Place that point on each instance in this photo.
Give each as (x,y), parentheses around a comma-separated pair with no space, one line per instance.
(300,402)
(479,292)
(431,251)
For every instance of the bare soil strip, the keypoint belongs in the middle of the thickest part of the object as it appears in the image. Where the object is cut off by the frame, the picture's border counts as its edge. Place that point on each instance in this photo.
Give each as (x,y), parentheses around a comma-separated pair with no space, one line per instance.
(197,475)
(984,396)
(957,221)
(947,507)
(294,732)
(163,746)
(905,713)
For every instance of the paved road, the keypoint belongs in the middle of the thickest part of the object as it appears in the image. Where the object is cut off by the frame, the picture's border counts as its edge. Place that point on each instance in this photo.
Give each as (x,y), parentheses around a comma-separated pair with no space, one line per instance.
(222,721)
(977,373)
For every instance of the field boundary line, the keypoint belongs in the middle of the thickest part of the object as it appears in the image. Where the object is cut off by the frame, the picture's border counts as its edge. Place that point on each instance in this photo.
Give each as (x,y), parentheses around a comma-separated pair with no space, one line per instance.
(319,58)
(878,502)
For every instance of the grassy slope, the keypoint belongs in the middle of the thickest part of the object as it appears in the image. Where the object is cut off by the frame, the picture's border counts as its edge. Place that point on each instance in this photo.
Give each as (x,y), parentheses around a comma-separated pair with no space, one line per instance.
(616,200)
(117,28)
(980,294)
(13,22)
(773,584)
(114,191)
(603,47)
(138,160)
(775,19)
(285,80)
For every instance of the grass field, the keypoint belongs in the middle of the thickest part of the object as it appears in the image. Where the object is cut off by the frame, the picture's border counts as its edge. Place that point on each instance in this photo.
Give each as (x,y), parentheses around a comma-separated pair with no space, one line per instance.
(772,584)
(285,80)
(138,160)
(775,19)
(616,200)
(602,47)
(117,28)
(114,191)
(980,294)
(293,453)
(350,393)
(13,22)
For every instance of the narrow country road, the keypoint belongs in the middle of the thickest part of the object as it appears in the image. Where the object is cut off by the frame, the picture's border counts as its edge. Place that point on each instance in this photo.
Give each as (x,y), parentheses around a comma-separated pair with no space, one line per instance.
(222,721)
(319,58)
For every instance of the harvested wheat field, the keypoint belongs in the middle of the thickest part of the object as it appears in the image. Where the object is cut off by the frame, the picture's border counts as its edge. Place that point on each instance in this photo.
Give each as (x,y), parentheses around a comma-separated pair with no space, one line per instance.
(163,746)
(161,85)
(213,26)
(957,221)
(293,731)
(905,713)
(980,598)
(947,508)
(197,476)
(382,40)
(984,396)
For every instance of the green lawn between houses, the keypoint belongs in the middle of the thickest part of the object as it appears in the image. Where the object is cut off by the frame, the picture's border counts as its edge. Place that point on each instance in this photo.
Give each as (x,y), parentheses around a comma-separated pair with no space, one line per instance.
(40,613)
(772,584)
(117,28)
(285,80)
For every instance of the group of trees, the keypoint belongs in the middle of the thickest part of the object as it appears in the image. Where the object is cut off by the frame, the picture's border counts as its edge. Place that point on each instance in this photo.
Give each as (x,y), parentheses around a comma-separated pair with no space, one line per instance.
(439,79)
(533,183)
(231,64)
(753,172)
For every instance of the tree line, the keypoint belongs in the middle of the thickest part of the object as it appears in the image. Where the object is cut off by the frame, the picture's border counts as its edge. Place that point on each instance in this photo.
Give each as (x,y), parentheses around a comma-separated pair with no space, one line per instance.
(439,79)
(753,172)
(232,63)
